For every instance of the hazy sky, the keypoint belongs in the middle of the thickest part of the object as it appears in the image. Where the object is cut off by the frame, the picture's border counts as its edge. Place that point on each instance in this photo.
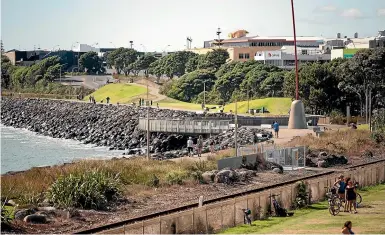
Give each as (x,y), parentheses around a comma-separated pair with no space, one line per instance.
(157,23)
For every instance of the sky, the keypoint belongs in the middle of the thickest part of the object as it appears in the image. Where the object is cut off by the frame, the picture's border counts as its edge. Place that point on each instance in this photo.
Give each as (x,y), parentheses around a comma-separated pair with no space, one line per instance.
(155,24)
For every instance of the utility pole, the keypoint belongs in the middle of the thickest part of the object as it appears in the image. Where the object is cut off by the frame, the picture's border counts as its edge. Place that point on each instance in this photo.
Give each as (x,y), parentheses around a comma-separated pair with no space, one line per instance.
(248,100)
(204,94)
(370,110)
(148,126)
(236,128)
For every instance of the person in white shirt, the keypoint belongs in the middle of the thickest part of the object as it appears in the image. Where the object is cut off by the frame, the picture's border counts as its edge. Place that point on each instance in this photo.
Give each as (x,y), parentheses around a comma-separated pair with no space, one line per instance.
(190,147)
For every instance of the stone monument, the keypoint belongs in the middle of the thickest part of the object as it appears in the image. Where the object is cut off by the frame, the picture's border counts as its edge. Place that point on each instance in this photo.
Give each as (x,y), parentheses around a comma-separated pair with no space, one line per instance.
(297,119)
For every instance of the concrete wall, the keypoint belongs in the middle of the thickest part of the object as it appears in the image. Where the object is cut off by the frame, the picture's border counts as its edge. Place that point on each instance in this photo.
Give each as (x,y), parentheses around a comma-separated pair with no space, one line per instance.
(218,216)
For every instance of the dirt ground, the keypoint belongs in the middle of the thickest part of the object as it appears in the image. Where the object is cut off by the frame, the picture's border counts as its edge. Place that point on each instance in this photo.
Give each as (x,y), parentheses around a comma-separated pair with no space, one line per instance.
(155,200)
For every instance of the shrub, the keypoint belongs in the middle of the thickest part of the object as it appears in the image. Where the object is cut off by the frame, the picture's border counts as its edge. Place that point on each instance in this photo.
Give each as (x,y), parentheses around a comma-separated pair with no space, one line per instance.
(301,200)
(176,177)
(90,190)
(336,117)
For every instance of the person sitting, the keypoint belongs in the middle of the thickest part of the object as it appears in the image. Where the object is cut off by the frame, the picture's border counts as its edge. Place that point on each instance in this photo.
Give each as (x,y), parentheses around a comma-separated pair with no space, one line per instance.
(347,229)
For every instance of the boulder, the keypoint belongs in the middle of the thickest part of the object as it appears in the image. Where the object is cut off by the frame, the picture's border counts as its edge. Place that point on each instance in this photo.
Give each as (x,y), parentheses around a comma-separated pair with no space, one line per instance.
(209,176)
(35,219)
(277,170)
(21,214)
(225,176)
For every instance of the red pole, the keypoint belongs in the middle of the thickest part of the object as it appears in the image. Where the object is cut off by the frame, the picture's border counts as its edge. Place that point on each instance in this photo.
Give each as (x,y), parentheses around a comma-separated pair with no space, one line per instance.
(295,52)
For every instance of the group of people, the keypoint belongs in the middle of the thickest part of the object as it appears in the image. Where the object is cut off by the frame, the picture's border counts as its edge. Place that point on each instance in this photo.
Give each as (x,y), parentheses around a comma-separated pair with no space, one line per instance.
(199,146)
(92,99)
(347,193)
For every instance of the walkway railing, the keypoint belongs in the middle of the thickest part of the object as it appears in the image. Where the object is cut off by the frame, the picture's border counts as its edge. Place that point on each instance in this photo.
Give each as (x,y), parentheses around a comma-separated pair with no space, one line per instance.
(185,126)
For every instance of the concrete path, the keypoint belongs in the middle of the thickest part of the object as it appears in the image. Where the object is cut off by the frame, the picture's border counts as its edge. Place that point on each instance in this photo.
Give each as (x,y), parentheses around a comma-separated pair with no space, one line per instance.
(285,136)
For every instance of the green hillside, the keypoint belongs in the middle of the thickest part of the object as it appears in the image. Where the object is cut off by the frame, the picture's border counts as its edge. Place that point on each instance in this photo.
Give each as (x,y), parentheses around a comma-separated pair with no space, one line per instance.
(122,93)
(277,106)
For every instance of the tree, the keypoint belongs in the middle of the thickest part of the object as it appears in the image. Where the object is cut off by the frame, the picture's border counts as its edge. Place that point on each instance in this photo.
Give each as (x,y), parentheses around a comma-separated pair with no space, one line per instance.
(192,63)
(364,72)
(190,85)
(91,62)
(272,85)
(156,69)
(6,71)
(175,63)
(213,59)
(122,59)
(143,64)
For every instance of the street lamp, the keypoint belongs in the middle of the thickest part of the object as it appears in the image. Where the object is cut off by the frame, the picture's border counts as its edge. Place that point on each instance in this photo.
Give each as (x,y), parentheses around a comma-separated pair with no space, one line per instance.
(164,49)
(54,47)
(72,45)
(113,44)
(144,48)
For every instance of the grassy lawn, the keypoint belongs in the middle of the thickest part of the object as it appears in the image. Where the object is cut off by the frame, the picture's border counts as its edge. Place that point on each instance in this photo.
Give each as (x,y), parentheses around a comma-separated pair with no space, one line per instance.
(277,106)
(119,92)
(176,104)
(316,219)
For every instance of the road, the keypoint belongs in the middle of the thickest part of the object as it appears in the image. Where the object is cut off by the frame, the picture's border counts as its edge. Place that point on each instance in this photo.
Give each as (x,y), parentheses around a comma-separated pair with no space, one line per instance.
(88,81)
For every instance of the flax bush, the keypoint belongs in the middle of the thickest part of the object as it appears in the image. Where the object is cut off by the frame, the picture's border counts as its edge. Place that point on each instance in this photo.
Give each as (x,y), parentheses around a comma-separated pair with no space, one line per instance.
(89,190)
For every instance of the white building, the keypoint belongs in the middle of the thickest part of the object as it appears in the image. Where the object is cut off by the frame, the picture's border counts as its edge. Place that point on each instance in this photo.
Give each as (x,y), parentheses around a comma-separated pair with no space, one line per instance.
(84,48)
(285,58)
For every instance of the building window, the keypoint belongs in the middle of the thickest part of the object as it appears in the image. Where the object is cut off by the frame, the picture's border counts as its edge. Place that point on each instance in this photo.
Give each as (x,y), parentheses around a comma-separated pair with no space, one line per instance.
(247,56)
(240,55)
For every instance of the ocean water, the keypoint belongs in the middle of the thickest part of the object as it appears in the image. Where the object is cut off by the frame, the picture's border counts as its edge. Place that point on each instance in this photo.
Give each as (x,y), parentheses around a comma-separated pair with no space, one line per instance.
(22,149)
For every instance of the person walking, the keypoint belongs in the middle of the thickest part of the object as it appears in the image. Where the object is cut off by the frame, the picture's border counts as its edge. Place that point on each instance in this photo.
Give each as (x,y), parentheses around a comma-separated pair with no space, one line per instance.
(276,129)
(212,150)
(200,145)
(157,105)
(190,147)
(347,229)
(351,196)
(108,100)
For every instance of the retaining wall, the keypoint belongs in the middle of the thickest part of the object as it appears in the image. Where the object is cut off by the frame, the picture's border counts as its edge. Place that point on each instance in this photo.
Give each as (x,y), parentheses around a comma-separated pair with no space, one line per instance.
(225,214)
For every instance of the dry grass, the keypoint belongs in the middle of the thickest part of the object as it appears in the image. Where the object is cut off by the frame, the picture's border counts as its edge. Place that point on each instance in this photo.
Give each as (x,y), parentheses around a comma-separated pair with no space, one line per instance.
(30,185)
(347,141)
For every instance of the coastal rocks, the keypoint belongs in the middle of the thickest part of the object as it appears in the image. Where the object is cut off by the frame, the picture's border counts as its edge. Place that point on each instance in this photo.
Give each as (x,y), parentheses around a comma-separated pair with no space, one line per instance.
(35,219)
(21,214)
(324,160)
(228,176)
(115,127)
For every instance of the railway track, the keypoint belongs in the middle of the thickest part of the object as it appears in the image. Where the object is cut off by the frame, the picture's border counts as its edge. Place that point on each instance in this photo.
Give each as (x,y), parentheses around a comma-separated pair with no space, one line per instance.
(192,205)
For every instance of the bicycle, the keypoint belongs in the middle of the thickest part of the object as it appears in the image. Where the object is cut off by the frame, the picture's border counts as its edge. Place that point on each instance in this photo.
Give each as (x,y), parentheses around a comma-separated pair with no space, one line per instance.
(334,201)
(279,211)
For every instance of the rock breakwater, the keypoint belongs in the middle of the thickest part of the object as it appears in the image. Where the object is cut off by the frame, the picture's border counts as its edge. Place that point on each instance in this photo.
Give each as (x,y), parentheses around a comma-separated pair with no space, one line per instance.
(103,125)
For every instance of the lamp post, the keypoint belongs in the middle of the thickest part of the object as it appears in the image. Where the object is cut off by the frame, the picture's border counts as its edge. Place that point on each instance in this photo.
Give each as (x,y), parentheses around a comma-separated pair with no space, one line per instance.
(148,125)
(236,128)
(164,49)
(144,48)
(204,94)
(131,43)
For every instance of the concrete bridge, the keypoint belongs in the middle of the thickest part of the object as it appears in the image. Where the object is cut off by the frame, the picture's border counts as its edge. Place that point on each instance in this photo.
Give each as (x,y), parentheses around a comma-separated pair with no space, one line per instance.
(203,126)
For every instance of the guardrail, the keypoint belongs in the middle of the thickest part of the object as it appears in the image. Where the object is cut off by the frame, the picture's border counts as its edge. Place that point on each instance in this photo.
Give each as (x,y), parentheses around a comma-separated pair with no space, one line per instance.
(185,126)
